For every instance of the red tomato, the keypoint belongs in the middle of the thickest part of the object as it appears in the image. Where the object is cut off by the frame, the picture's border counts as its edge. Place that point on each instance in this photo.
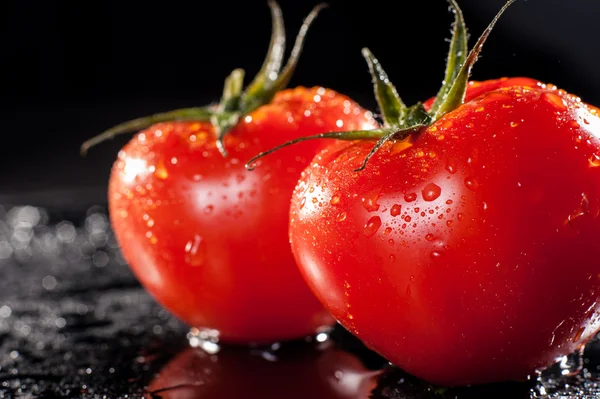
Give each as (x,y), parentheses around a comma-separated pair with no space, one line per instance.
(207,238)
(468,252)
(319,373)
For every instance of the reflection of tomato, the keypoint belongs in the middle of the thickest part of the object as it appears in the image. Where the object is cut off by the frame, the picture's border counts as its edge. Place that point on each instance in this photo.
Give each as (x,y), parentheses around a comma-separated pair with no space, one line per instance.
(306,372)
(467,253)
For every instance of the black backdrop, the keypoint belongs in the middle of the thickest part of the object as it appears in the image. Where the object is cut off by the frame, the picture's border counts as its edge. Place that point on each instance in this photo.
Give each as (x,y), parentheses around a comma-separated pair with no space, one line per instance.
(72,69)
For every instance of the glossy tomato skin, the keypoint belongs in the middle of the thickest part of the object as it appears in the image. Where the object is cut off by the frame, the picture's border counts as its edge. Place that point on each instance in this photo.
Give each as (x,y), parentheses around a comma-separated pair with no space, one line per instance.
(207,238)
(469,253)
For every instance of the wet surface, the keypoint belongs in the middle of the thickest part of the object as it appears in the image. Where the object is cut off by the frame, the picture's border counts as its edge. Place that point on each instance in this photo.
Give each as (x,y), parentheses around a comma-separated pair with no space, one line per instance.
(74,323)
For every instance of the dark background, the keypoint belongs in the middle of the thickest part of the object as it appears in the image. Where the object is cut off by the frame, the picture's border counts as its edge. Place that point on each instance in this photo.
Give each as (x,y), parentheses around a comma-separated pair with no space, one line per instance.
(73,69)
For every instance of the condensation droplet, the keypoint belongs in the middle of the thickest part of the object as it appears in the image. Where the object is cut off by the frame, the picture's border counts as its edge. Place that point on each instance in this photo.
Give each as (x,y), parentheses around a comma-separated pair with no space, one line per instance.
(372,226)
(431,192)
(410,197)
(369,201)
(195,250)
(342,216)
(395,210)
(471,183)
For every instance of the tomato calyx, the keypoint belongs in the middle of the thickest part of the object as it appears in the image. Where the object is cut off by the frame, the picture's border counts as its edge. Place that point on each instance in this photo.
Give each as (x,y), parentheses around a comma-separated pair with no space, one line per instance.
(400,122)
(235,101)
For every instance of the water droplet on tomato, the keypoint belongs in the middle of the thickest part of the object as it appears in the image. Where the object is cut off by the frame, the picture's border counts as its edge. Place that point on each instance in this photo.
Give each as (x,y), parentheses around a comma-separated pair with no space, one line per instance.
(450,167)
(471,183)
(195,251)
(208,209)
(387,230)
(460,216)
(429,237)
(302,202)
(431,192)
(372,226)
(435,255)
(160,171)
(392,258)
(410,197)
(449,202)
(395,210)
(595,160)
(391,241)
(578,333)
(342,216)
(555,100)
(369,201)
(315,200)
(335,199)
(407,219)
(449,223)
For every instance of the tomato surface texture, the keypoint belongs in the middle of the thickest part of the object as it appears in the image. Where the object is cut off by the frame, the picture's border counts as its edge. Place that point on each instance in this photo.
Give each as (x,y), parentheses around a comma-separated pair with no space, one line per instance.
(467,253)
(207,238)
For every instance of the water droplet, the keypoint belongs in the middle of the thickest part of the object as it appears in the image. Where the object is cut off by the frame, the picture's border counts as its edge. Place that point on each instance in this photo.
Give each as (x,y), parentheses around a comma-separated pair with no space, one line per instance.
(429,237)
(514,124)
(410,197)
(449,202)
(595,160)
(431,192)
(578,333)
(372,226)
(392,258)
(471,183)
(555,100)
(335,199)
(387,230)
(302,202)
(460,216)
(369,201)
(195,250)
(435,255)
(391,241)
(407,219)
(160,171)
(342,216)
(450,167)
(449,223)
(395,210)
(208,209)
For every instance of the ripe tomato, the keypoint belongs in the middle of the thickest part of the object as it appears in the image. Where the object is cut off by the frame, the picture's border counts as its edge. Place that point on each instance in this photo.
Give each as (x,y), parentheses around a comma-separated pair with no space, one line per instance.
(207,238)
(323,372)
(473,245)
(465,251)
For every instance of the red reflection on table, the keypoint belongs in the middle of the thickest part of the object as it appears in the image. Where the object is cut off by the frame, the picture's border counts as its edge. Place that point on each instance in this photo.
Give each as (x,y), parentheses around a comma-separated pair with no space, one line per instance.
(302,372)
